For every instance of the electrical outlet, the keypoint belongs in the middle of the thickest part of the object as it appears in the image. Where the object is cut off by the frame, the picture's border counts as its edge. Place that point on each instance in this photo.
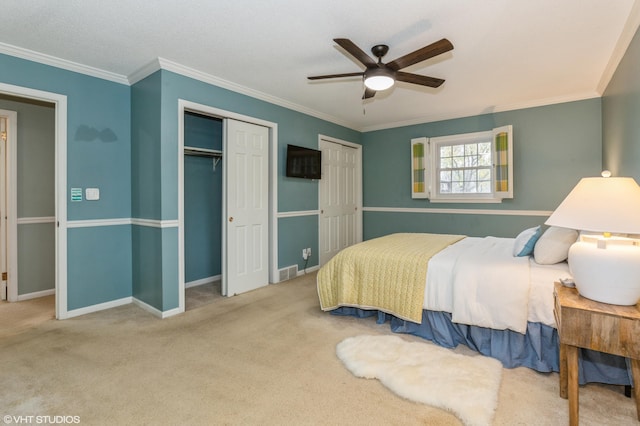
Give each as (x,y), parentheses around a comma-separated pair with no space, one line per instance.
(306,253)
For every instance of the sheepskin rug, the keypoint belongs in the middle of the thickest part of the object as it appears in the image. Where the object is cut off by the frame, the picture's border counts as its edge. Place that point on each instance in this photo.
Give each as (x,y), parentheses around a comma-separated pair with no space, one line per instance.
(467,386)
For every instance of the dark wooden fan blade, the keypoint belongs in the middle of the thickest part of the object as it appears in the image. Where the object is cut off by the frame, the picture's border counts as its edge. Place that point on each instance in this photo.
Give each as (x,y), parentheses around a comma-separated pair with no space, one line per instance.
(368,93)
(419,79)
(348,74)
(434,49)
(355,51)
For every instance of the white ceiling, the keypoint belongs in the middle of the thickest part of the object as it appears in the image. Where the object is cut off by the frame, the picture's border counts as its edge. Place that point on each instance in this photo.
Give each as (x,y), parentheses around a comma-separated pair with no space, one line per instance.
(507,54)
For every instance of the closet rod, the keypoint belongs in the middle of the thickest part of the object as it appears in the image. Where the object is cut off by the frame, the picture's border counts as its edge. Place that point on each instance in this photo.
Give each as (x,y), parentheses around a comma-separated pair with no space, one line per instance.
(204,152)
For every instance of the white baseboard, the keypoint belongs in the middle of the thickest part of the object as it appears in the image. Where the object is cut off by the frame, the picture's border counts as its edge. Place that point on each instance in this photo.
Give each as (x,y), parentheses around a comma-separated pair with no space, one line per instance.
(98,307)
(156,312)
(203,281)
(172,312)
(36,294)
(309,269)
(124,301)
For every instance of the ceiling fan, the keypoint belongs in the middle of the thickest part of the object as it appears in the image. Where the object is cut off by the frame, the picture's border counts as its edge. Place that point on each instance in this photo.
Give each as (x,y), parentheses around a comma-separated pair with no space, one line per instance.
(379,76)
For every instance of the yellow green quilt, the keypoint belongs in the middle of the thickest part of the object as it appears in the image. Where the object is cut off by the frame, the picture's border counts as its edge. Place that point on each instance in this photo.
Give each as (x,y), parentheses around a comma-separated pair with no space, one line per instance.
(387,273)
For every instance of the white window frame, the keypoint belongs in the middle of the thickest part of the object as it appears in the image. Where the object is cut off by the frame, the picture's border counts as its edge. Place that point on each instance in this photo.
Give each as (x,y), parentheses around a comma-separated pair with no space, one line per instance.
(432,162)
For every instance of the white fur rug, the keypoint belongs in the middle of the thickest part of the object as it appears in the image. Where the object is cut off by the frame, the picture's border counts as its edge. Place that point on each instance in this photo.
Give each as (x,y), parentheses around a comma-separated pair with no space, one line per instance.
(467,386)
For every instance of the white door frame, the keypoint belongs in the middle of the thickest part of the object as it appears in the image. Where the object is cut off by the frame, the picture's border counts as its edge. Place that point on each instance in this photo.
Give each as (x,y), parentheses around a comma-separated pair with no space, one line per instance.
(60,102)
(358,189)
(184,105)
(11,163)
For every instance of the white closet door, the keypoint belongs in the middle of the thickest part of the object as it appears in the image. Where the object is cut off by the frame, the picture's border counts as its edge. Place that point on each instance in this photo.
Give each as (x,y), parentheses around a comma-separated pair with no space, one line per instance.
(246,257)
(339,224)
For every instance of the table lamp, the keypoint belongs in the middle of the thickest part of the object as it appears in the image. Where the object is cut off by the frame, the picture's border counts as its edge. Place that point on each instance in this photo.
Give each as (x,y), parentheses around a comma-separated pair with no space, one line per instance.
(605,268)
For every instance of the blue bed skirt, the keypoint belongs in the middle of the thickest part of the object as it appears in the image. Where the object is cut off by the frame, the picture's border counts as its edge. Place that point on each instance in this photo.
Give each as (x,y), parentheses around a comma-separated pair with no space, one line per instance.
(538,349)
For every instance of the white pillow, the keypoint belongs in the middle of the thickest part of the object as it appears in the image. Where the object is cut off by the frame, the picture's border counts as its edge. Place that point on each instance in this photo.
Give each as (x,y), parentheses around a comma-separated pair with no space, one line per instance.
(525,241)
(553,245)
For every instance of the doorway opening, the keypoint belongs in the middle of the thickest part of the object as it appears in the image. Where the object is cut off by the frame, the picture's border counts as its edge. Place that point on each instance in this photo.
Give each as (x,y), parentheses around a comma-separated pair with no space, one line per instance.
(36,223)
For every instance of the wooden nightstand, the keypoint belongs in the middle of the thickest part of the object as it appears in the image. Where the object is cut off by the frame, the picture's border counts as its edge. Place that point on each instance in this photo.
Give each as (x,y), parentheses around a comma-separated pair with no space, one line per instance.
(584,323)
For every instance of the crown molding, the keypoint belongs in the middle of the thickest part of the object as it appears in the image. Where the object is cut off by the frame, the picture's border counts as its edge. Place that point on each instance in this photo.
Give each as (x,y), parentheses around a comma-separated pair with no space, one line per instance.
(627,34)
(45,59)
(156,65)
(144,72)
(168,65)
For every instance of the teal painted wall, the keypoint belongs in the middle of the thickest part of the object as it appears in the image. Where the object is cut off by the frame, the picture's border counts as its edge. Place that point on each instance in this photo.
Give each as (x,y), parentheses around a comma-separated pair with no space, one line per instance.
(36,154)
(146,190)
(155,176)
(123,140)
(146,251)
(554,146)
(145,155)
(620,107)
(36,258)
(378,224)
(290,230)
(99,265)
(293,128)
(170,274)
(202,200)
(96,108)
(35,192)
(98,155)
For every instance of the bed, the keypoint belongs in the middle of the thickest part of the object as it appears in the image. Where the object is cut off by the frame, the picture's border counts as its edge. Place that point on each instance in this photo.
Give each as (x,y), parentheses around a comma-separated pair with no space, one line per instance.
(453,290)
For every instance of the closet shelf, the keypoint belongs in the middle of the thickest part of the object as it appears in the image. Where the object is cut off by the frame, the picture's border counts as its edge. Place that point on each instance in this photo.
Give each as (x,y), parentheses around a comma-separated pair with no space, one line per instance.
(204,152)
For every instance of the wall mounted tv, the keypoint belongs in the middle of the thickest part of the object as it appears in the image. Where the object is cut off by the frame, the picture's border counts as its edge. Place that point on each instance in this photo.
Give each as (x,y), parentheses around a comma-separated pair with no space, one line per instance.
(303,162)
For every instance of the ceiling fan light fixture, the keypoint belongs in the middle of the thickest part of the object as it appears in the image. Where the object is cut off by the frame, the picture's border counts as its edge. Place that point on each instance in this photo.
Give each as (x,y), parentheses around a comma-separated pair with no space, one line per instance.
(379,79)
(380,76)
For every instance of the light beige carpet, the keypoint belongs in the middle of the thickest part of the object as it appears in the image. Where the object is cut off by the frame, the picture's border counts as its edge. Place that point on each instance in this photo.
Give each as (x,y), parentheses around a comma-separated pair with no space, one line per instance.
(21,316)
(262,358)
(422,372)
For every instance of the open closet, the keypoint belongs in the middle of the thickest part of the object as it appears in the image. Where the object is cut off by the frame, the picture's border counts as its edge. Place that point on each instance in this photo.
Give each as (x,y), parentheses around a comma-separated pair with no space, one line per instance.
(202,208)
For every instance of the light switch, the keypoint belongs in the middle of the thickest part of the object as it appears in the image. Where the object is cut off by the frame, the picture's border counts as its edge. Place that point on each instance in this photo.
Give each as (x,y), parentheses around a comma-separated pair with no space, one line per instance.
(92,194)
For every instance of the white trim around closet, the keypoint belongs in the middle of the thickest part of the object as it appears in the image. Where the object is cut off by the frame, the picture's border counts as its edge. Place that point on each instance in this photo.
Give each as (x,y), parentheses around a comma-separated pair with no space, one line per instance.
(185,105)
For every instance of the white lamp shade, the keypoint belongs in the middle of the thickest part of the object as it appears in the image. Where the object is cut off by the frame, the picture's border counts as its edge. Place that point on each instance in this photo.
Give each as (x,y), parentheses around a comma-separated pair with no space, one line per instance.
(600,204)
(605,270)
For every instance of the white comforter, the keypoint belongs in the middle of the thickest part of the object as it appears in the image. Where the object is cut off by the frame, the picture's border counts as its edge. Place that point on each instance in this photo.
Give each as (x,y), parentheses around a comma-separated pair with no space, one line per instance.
(480,282)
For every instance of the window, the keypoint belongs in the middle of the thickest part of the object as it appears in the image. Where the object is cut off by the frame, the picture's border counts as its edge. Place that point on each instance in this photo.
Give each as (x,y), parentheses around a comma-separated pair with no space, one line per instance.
(471,167)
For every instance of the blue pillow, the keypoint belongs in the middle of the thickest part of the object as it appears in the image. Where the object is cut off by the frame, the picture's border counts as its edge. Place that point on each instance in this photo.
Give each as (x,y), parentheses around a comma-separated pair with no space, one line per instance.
(526,241)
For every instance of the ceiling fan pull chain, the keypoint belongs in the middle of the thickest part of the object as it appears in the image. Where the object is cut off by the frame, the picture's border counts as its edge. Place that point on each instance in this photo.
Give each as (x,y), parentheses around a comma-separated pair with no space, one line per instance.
(364,106)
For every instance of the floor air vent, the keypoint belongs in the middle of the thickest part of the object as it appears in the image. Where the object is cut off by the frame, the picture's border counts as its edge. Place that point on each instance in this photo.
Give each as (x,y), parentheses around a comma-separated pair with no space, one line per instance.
(293,271)
(288,273)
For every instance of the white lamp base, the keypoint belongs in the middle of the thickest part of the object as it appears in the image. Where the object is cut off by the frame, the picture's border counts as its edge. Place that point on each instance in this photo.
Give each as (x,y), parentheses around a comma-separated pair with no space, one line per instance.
(608,275)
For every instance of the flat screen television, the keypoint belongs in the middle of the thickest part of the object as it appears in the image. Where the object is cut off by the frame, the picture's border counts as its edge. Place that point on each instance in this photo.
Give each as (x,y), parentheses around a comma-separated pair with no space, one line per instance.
(303,162)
